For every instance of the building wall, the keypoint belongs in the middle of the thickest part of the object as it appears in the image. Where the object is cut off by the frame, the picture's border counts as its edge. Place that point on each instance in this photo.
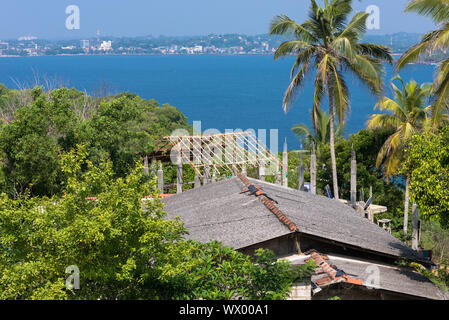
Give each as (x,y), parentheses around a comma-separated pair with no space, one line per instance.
(288,245)
(301,291)
(354,292)
(282,246)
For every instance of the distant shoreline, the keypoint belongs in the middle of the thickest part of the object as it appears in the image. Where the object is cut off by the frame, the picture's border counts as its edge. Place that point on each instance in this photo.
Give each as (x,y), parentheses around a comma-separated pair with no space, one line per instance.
(139,54)
(177,54)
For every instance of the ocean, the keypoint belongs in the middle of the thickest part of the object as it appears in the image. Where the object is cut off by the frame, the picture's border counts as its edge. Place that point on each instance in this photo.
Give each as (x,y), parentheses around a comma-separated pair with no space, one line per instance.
(223,92)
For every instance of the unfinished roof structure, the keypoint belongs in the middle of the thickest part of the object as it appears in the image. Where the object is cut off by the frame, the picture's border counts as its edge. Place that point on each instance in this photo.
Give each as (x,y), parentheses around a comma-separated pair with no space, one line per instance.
(232,151)
(247,214)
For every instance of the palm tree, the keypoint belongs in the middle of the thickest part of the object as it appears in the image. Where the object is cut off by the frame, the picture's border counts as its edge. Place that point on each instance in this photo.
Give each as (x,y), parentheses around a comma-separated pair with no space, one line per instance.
(320,134)
(408,114)
(326,45)
(438,11)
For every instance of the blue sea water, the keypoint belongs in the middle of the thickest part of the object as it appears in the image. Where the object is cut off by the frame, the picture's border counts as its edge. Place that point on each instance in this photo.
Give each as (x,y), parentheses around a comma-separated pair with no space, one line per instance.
(223,92)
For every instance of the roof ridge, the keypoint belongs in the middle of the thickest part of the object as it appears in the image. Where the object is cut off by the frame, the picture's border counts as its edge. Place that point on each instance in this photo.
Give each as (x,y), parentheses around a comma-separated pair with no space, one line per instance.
(333,273)
(268,202)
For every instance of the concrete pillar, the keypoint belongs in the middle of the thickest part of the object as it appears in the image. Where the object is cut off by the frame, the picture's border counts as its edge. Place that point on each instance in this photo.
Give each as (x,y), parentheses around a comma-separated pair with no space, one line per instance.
(301,173)
(206,174)
(353,179)
(146,171)
(262,172)
(244,172)
(278,176)
(179,181)
(415,230)
(160,178)
(234,157)
(285,165)
(313,171)
(153,166)
(214,175)
(197,181)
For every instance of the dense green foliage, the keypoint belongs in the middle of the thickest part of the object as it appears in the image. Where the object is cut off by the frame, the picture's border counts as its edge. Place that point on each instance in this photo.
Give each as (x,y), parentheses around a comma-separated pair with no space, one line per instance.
(428,163)
(34,135)
(124,248)
(435,238)
(366,145)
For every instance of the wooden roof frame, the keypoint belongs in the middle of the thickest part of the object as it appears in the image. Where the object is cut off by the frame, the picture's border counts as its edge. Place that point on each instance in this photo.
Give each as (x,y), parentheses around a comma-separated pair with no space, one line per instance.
(237,150)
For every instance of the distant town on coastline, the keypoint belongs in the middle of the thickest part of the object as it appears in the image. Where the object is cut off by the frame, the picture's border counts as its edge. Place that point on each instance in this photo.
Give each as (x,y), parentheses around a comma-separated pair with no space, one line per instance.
(229,44)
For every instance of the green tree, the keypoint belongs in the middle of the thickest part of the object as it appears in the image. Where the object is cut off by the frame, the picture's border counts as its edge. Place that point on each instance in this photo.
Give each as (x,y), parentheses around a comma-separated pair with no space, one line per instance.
(216,272)
(325,44)
(428,163)
(319,135)
(438,11)
(407,115)
(30,145)
(124,248)
(127,127)
(366,145)
(39,126)
(435,238)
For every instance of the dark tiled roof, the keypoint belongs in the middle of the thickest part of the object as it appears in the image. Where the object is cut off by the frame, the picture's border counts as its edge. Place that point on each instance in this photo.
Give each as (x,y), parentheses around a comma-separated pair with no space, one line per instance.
(395,279)
(364,273)
(218,211)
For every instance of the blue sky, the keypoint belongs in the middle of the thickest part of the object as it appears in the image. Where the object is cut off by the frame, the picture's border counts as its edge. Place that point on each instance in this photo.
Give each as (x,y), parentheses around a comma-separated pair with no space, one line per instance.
(46,18)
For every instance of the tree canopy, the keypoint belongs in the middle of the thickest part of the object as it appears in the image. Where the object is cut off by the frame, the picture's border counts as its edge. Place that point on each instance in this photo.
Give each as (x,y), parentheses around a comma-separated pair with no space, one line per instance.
(123,247)
(122,128)
(428,163)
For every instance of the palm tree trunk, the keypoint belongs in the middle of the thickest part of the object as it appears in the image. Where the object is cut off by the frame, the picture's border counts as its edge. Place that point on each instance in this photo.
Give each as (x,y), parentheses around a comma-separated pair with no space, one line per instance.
(407,182)
(332,140)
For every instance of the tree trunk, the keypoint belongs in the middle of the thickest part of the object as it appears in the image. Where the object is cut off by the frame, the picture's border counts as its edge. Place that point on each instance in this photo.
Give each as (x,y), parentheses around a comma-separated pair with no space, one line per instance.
(332,140)
(406,203)
(415,230)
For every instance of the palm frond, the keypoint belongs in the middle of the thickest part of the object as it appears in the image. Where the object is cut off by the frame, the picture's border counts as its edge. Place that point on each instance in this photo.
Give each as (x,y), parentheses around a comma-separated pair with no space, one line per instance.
(317,97)
(341,94)
(356,27)
(375,51)
(437,10)
(289,47)
(415,52)
(369,71)
(294,86)
(283,25)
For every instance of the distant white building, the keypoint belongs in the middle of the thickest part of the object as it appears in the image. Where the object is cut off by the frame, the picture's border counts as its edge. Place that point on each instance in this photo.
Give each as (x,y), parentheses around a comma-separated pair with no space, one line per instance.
(27,38)
(106,45)
(265,46)
(198,49)
(85,44)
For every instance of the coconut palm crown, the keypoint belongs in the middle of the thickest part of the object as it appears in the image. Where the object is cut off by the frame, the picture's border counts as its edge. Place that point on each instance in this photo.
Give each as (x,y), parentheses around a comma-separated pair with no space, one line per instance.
(325,46)
(407,115)
(438,11)
(319,136)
